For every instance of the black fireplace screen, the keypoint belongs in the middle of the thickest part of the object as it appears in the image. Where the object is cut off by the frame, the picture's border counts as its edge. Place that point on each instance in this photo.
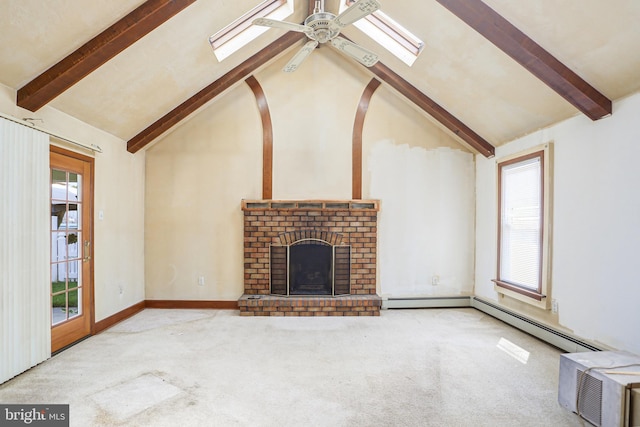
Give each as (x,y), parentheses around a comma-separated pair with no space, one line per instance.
(310,267)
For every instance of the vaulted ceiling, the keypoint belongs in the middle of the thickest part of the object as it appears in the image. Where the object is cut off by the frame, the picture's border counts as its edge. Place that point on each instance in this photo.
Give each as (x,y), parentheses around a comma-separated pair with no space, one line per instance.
(490,71)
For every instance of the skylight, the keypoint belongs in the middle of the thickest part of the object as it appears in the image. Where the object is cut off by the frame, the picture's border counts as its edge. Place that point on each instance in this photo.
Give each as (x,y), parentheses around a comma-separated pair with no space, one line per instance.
(240,32)
(389,34)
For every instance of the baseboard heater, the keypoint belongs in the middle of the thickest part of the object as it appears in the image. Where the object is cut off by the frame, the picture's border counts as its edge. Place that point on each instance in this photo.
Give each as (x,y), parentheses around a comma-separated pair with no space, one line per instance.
(547,334)
(426,302)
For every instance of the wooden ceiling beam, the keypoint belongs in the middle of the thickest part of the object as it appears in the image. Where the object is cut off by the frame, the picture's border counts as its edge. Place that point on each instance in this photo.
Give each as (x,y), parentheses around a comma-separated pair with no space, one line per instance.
(240,72)
(189,106)
(531,56)
(432,108)
(246,68)
(87,58)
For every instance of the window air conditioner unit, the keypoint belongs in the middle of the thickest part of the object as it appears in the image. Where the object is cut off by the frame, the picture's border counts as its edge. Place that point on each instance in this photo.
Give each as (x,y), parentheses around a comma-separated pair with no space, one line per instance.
(601,387)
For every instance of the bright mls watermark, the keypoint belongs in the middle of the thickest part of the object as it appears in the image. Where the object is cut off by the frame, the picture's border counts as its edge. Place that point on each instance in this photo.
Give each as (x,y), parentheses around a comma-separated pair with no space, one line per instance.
(34,415)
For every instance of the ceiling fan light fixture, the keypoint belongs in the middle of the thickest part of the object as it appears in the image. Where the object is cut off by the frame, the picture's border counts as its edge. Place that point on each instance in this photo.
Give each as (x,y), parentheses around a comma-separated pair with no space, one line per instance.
(322,27)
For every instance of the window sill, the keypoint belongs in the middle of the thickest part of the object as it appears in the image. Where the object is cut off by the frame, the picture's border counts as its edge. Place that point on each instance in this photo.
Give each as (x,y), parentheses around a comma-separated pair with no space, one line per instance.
(525,295)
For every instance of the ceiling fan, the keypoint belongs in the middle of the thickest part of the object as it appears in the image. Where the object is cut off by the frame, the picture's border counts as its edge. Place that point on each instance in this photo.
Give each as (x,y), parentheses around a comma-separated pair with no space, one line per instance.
(322,27)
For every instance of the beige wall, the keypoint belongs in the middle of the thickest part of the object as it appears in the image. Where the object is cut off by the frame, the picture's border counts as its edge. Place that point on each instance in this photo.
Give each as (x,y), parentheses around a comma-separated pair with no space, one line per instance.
(197,175)
(312,112)
(119,189)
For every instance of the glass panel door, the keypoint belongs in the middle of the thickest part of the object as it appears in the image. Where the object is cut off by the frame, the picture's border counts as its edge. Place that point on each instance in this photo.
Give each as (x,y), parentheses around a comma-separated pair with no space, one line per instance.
(71,265)
(66,245)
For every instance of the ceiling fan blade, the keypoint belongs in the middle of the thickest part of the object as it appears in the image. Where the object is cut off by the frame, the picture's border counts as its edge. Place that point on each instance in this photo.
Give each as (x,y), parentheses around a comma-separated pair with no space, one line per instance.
(358,10)
(300,56)
(359,53)
(266,22)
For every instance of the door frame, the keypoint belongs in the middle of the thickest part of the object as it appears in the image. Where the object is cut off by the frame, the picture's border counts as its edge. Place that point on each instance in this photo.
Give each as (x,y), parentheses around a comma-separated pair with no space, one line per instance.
(90,288)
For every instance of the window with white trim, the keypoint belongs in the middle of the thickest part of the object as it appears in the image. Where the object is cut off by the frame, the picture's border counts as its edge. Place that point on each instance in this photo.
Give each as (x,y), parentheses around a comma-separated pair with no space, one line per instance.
(523,226)
(241,31)
(389,34)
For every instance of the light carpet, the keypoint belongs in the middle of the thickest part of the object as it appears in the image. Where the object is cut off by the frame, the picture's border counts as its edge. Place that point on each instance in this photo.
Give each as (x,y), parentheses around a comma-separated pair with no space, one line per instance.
(431,367)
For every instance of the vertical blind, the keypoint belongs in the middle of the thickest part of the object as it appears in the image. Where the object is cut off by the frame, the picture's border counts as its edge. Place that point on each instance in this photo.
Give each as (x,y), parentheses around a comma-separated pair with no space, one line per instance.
(521,222)
(25,325)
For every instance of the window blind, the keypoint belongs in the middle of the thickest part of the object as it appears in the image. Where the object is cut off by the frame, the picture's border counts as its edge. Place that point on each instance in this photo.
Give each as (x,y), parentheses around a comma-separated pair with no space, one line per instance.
(521,223)
(25,310)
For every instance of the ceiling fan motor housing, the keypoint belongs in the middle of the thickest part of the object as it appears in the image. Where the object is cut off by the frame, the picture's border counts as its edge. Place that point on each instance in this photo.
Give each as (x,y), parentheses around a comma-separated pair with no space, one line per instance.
(320,24)
(322,27)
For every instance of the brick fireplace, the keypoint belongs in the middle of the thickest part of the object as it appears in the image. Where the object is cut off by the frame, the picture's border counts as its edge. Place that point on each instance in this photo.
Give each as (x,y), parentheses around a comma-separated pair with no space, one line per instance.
(310,258)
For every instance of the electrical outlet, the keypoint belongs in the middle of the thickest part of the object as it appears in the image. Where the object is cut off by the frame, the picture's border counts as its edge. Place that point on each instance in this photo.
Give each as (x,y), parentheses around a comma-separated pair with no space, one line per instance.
(121,289)
(435,280)
(554,306)
(201,281)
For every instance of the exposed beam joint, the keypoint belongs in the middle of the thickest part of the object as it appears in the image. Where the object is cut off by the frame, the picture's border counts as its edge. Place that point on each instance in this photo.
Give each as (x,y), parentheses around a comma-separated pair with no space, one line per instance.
(433,109)
(531,56)
(211,91)
(87,58)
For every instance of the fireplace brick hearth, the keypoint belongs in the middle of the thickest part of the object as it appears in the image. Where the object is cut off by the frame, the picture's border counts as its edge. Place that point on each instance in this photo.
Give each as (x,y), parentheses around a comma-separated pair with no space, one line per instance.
(343,224)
